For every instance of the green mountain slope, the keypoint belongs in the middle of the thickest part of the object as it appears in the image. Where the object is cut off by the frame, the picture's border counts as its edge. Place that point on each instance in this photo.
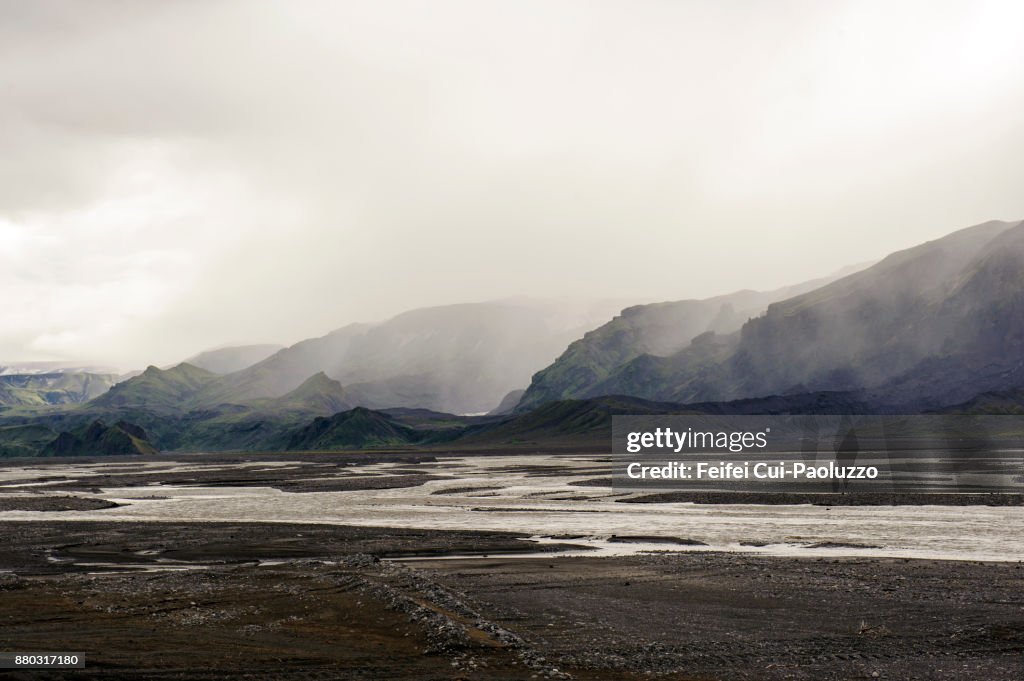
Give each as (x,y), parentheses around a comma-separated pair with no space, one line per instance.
(98,439)
(172,389)
(263,424)
(359,428)
(318,394)
(24,440)
(162,401)
(42,389)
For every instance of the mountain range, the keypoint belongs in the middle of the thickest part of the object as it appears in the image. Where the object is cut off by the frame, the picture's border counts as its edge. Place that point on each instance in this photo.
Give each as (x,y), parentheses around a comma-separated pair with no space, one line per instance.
(456,358)
(936,327)
(44,389)
(924,328)
(657,330)
(233,358)
(56,367)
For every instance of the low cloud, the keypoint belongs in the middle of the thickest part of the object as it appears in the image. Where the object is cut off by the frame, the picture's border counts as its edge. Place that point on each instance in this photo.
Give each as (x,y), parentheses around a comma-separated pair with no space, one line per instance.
(177,175)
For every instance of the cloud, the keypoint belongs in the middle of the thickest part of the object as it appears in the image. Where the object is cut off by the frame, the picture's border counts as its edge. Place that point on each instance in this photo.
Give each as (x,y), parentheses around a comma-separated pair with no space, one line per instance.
(177,175)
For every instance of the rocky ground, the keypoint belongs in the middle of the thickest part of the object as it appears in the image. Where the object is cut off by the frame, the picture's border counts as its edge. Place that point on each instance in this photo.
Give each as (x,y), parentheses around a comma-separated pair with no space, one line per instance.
(829,499)
(278,601)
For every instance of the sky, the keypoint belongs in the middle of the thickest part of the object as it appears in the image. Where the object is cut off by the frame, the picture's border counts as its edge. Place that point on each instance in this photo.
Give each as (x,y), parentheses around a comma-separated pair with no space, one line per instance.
(181,175)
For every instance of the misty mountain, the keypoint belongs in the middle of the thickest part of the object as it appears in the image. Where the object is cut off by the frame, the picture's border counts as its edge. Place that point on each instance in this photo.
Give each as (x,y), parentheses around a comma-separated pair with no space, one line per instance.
(317,394)
(11,368)
(42,389)
(561,421)
(99,439)
(456,358)
(358,428)
(508,402)
(164,402)
(937,327)
(655,330)
(929,326)
(564,422)
(161,389)
(231,359)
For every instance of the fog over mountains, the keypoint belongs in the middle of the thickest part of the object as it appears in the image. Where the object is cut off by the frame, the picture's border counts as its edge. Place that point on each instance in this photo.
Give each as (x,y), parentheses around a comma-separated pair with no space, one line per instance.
(234,358)
(456,358)
(657,329)
(42,389)
(936,327)
(925,327)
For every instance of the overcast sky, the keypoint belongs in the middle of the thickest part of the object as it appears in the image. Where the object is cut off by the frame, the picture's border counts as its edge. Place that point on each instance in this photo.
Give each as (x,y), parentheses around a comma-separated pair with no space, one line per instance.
(180,175)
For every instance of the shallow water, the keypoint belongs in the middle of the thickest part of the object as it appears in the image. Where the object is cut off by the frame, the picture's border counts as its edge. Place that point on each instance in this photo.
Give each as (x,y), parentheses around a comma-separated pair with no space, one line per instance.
(534,498)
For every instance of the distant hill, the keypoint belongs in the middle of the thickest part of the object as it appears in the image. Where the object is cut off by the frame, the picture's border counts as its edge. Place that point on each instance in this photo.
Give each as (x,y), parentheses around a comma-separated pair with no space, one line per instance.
(564,422)
(577,420)
(436,421)
(171,389)
(317,394)
(25,368)
(566,419)
(262,426)
(656,330)
(509,402)
(98,439)
(455,358)
(999,402)
(359,428)
(24,440)
(164,401)
(231,359)
(43,389)
(934,328)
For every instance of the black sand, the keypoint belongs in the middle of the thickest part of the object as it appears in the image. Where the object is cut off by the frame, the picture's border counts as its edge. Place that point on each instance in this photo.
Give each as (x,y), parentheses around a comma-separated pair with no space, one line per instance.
(334,610)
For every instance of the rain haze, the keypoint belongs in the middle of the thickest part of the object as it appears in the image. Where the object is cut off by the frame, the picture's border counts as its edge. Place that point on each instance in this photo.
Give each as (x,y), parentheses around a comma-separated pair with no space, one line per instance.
(180,175)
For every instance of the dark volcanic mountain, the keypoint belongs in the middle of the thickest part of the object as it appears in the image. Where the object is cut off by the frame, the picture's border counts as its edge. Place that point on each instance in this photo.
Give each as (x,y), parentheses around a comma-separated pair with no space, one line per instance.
(355,429)
(938,327)
(99,439)
(655,330)
(950,308)
(929,326)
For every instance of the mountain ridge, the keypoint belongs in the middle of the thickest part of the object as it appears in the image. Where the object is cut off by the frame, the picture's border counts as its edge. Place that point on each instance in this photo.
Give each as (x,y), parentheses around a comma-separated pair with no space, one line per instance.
(885,330)
(459,358)
(166,389)
(656,329)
